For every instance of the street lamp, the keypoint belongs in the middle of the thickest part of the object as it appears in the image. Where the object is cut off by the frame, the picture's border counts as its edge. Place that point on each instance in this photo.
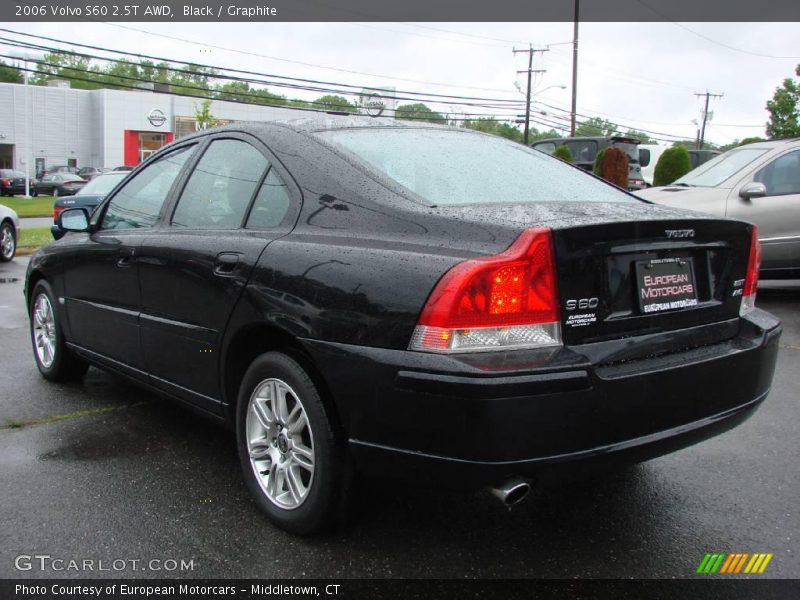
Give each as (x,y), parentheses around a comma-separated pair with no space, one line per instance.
(25,57)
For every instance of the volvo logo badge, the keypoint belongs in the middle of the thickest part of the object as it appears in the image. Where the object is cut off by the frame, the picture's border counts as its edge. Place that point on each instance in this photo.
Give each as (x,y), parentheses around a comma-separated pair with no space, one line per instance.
(679,233)
(157,117)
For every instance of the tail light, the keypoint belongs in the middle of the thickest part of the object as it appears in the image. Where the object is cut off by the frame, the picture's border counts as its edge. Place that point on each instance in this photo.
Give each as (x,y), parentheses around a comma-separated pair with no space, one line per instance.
(57,211)
(751,279)
(495,303)
(6,182)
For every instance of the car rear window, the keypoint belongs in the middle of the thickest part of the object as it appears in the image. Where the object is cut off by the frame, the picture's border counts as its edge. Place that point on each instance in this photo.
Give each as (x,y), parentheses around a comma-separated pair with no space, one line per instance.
(454,167)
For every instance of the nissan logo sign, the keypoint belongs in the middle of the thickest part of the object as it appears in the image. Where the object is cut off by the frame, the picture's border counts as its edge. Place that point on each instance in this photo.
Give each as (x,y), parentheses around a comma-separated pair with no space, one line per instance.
(157,117)
(374,105)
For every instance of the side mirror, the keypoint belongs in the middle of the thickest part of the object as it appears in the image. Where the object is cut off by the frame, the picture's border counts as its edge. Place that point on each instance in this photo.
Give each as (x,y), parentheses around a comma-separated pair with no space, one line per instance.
(644,157)
(73,219)
(754,189)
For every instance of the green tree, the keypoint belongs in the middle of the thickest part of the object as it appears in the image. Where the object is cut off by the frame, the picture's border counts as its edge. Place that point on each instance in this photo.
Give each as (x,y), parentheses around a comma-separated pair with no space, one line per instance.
(335,103)
(205,120)
(240,91)
(751,140)
(493,126)
(595,127)
(673,163)
(563,153)
(535,135)
(784,109)
(418,112)
(640,135)
(57,65)
(10,74)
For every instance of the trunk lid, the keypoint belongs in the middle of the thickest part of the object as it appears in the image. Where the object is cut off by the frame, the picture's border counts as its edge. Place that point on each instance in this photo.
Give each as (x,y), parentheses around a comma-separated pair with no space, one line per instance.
(633,278)
(604,252)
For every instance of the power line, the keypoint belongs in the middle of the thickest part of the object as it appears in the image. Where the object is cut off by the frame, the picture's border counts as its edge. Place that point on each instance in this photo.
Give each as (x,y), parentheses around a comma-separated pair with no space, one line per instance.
(231,70)
(451,100)
(711,40)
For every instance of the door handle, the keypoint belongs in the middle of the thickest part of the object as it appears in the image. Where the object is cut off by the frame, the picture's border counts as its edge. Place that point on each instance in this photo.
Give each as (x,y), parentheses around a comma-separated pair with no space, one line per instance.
(126,258)
(225,263)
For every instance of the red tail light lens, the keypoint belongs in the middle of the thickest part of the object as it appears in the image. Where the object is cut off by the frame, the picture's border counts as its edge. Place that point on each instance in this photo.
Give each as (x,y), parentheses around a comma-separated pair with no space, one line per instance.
(56,211)
(6,181)
(495,303)
(751,279)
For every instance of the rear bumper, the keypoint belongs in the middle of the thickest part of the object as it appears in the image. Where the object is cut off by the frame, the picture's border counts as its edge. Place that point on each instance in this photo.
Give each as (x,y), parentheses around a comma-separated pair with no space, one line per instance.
(474,420)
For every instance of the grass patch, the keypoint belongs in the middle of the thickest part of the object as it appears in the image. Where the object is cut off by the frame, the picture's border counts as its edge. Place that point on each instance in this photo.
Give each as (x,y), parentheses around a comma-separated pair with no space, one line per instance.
(34,237)
(14,424)
(41,206)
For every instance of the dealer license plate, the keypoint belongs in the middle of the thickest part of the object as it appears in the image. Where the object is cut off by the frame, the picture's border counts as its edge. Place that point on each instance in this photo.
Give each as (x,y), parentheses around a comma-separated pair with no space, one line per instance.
(665,284)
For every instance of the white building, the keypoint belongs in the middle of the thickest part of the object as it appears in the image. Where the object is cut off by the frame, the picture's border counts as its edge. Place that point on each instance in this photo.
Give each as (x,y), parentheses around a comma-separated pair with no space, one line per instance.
(102,128)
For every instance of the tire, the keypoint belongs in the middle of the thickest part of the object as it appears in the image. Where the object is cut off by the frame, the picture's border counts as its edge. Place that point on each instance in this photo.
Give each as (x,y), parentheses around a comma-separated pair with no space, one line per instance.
(34,194)
(55,192)
(8,242)
(275,459)
(55,361)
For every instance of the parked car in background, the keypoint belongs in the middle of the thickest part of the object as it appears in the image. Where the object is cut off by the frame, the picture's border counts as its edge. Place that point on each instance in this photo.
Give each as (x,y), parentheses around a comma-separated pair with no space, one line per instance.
(13,182)
(453,307)
(759,183)
(584,150)
(60,184)
(88,197)
(699,157)
(123,168)
(9,233)
(89,173)
(58,169)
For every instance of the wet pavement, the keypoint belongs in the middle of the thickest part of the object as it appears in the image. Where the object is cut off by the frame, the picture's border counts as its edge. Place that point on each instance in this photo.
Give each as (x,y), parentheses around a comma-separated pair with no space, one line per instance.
(127,476)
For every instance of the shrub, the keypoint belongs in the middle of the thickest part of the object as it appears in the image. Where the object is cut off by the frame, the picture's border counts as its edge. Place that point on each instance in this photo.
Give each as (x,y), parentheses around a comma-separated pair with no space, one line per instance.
(597,169)
(615,167)
(563,153)
(672,164)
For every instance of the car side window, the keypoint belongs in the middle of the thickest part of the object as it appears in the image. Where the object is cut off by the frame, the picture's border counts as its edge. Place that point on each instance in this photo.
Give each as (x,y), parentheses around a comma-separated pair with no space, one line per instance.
(271,205)
(782,175)
(221,186)
(138,203)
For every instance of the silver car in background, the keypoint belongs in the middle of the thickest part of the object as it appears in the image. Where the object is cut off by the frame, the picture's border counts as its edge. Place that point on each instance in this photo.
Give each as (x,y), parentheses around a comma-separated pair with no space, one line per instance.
(759,183)
(9,233)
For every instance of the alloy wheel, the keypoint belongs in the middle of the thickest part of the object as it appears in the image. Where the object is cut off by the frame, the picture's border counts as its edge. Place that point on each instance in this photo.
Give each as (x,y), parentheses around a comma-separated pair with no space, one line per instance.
(44,330)
(7,243)
(280,444)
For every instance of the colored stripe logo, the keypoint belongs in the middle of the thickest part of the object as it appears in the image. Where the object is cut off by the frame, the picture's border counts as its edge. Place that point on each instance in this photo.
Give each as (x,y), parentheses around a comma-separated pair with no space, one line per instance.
(734,563)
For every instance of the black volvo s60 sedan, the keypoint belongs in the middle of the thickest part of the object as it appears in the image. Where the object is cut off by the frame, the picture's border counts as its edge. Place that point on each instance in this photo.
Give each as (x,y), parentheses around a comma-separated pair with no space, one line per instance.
(366,296)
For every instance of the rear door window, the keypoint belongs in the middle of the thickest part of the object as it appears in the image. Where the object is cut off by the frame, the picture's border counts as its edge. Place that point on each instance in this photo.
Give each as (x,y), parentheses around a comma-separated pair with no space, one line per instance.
(582,150)
(221,186)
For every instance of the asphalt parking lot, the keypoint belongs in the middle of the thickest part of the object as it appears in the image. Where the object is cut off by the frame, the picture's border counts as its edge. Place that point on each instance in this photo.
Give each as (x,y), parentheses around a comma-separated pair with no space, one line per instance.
(127,476)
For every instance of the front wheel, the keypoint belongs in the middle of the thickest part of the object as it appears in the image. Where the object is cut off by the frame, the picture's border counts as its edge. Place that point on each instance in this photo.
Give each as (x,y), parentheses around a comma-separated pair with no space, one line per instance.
(53,358)
(288,449)
(8,242)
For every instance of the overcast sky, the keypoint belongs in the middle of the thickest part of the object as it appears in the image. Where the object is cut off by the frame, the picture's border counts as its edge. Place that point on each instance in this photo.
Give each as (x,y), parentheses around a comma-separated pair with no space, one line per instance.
(641,75)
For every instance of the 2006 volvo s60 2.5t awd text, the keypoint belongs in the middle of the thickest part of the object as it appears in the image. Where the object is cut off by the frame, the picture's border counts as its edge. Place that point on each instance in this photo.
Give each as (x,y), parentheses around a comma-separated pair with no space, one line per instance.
(360,296)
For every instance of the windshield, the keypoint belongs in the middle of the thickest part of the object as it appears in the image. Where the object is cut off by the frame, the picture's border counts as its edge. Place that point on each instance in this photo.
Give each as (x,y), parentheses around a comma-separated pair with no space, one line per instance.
(454,167)
(102,184)
(721,168)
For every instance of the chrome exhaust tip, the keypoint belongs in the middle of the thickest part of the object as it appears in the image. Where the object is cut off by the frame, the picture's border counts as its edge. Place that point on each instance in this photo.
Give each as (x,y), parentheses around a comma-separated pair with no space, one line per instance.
(512,491)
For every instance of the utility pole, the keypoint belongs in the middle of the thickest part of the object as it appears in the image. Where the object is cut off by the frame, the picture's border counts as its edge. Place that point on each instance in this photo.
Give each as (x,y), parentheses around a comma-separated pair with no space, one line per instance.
(702,137)
(530,71)
(574,113)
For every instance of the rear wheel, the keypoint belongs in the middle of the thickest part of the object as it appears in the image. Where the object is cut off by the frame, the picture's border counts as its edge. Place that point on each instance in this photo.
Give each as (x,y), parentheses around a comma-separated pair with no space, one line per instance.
(288,449)
(55,361)
(8,242)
